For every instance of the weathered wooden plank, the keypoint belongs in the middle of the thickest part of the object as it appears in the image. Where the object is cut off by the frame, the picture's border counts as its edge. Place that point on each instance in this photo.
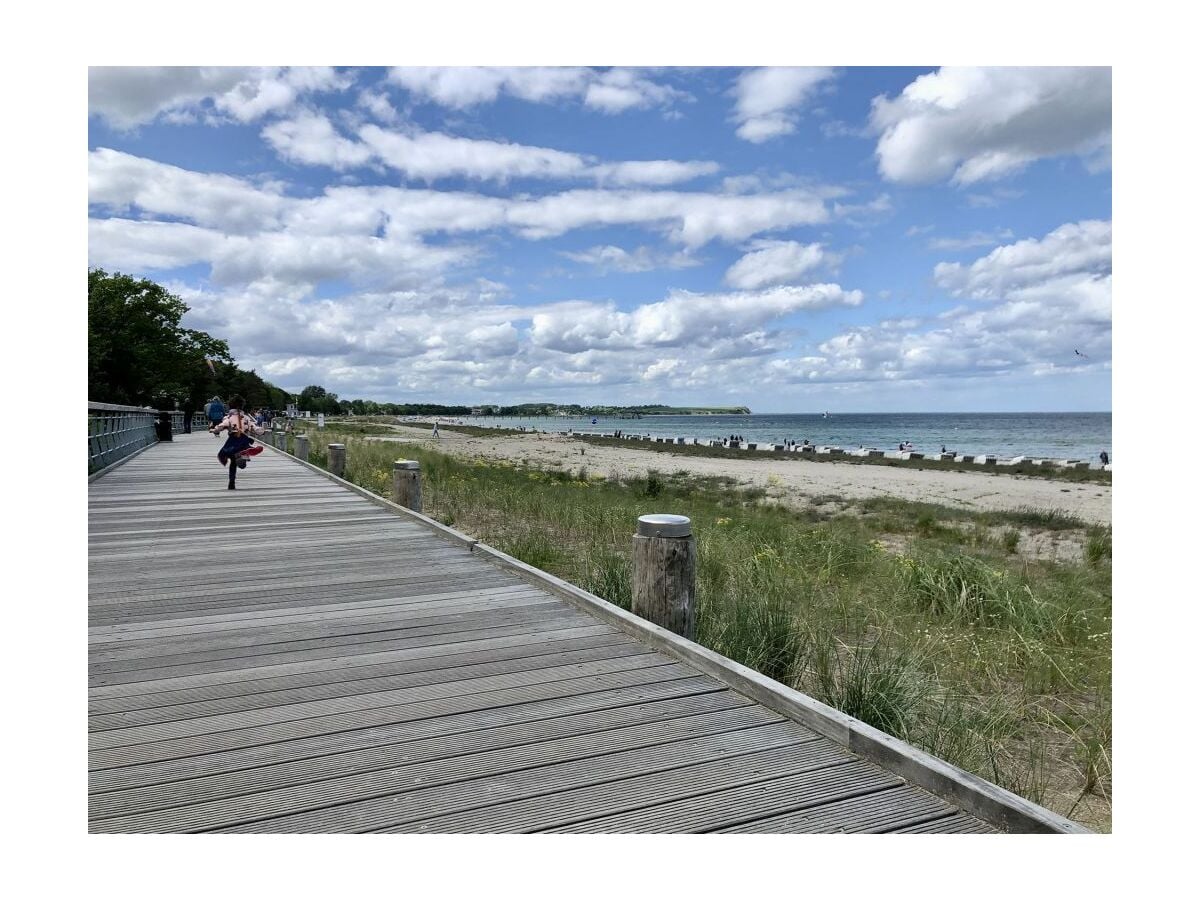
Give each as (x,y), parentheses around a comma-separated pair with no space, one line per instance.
(958,823)
(444,641)
(236,721)
(194,745)
(377,799)
(253,633)
(363,774)
(107,672)
(874,813)
(359,687)
(247,680)
(565,704)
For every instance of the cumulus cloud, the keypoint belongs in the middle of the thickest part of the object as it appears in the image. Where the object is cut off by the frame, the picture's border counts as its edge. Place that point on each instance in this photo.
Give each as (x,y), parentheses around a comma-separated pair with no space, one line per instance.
(977,124)
(310,138)
(119,182)
(691,219)
(1040,301)
(608,91)
(609,258)
(287,258)
(776,262)
(617,90)
(769,100)
(1077,247)
(683,319)
(448,340)
(463,87)
(651,172)
(128,96)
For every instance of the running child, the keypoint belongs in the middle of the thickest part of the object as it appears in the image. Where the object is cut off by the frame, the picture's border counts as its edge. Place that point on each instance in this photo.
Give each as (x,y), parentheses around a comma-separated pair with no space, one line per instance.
(240,446)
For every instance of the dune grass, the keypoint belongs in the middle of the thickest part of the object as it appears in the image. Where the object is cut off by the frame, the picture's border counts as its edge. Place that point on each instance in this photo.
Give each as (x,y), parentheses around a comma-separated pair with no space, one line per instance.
(917,619)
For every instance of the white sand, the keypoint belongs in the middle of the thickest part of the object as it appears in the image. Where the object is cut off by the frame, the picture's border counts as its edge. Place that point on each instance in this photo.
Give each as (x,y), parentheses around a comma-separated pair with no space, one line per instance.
(791,480)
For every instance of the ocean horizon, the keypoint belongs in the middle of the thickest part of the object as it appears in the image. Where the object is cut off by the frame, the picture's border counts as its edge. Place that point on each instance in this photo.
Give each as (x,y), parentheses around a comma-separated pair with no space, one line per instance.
(1066,435)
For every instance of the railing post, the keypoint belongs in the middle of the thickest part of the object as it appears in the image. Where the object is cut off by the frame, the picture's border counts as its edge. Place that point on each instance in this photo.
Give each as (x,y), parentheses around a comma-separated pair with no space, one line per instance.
(406,484)
(302,447)
(337,459)
(664,572)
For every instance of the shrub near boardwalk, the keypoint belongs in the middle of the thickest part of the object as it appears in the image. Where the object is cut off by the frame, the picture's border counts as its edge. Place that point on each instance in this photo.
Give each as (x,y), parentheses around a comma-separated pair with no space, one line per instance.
(919,620)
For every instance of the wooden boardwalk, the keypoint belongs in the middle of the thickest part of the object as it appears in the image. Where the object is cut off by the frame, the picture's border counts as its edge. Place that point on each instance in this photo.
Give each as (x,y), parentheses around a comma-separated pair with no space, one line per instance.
(290,657)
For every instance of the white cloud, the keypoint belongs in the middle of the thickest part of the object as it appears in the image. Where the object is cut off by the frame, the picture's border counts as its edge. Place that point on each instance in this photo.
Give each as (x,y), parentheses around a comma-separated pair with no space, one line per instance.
(311,138)
(768,100)
(461,87)
(608,258)
(683,319)
(165,217)
(120,182)
(280,258)
(1072,248)
(972,240)
(1041,301)
(776,262)
(128,96)
(651,172)
(691,219)
(617,90)
(977,124)
(608,91)
(378,105)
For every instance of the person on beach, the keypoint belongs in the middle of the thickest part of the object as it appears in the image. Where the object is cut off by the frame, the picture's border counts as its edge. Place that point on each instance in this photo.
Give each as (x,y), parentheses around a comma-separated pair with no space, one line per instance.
(435,431)
(1104,457)
(239,446)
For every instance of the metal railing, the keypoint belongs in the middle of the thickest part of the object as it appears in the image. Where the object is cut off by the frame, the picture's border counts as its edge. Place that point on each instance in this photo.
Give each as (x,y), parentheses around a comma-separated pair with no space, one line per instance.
(115,432)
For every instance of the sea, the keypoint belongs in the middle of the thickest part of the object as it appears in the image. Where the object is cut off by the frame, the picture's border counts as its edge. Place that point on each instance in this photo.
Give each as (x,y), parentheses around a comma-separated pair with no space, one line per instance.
(1055,435)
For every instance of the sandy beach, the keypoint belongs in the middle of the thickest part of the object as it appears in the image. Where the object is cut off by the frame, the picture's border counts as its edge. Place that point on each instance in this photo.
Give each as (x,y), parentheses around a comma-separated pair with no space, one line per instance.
(788,480)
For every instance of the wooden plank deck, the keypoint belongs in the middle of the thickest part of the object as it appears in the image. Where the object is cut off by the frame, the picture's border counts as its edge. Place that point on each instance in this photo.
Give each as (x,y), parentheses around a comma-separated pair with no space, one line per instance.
(290,657)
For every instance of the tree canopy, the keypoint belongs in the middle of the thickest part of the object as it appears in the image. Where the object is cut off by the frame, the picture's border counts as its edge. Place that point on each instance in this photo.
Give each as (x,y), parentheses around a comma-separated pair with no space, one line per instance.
(140,354)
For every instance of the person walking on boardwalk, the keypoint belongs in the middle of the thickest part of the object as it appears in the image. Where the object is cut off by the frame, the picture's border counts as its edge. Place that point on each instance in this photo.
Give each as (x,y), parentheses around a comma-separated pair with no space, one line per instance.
(214,411)
(240,446)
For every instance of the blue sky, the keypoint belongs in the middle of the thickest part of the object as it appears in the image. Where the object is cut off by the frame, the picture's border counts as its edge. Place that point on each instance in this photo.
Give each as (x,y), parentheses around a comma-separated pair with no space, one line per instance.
(791,239)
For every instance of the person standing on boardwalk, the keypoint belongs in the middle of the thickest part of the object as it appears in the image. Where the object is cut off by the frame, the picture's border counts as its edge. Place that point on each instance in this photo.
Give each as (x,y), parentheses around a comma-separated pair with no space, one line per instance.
(240,446)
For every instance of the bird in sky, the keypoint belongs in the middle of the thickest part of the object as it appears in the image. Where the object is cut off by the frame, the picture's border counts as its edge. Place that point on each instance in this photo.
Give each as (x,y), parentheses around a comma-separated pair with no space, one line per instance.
(1084,355)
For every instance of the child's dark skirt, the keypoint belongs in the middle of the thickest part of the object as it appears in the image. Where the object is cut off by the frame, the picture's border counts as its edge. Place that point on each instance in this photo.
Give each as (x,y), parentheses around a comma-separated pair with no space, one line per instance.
(237,443)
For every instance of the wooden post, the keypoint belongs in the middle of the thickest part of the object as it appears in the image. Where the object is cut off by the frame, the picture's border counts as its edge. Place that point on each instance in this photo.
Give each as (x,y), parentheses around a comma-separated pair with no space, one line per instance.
(406,484)
(337,459)
(664,572)
(302,447)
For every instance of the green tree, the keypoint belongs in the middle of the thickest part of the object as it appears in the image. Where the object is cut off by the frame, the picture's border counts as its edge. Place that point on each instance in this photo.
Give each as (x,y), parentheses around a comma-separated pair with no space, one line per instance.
(138,352)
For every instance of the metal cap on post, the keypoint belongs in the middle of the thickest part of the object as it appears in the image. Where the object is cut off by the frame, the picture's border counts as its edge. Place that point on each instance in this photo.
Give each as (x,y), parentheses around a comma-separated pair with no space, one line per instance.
(337,459)
(664,572)
(302,447)
(406,484)
(664,525)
